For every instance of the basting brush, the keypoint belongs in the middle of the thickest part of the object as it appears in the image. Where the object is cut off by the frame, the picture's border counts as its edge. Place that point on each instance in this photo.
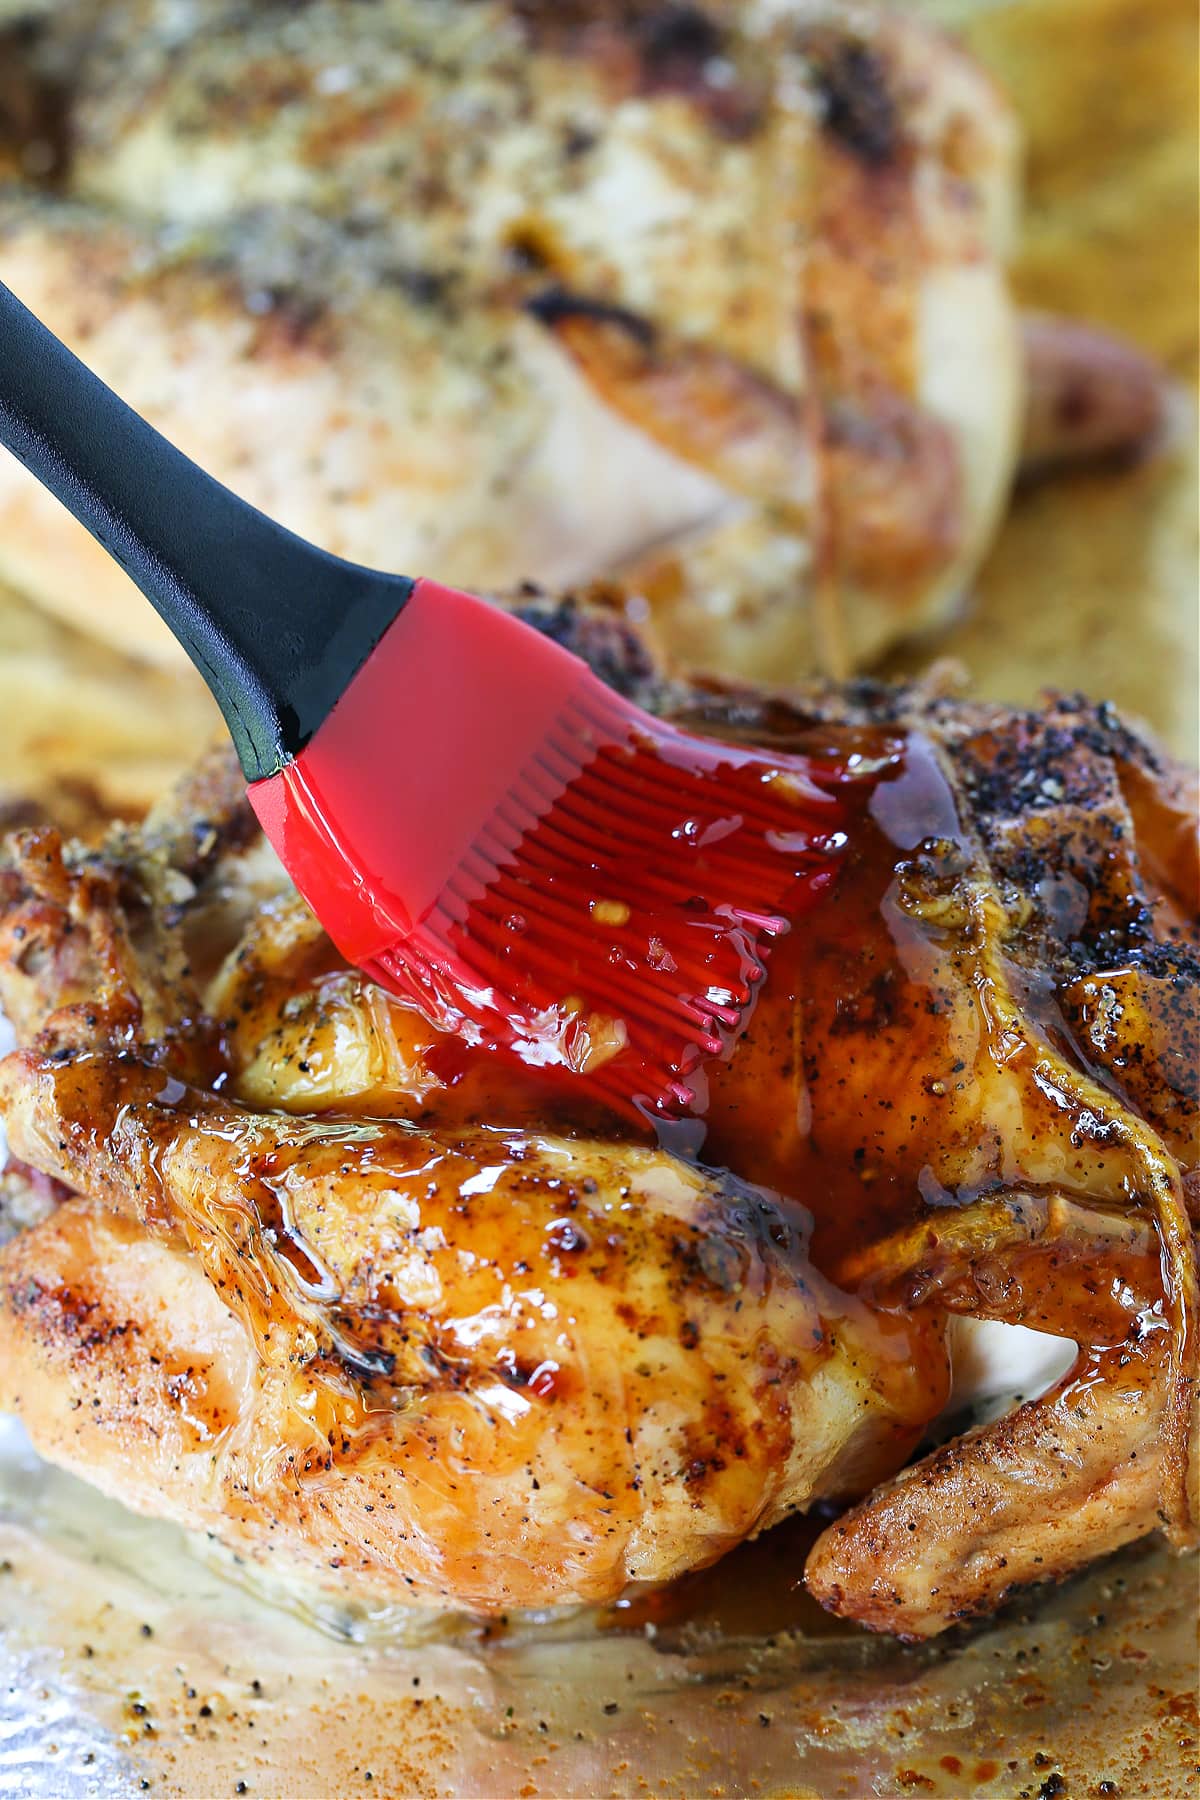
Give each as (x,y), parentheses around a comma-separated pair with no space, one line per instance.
(476,819)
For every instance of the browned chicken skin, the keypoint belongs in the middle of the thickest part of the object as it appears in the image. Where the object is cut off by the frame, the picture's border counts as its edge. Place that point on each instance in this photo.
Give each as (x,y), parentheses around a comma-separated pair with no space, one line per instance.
(403,1314)
(710,296)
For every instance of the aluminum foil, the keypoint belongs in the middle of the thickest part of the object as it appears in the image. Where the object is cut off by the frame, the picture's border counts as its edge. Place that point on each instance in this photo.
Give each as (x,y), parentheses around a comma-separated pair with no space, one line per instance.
(131,1662)
(134,1659)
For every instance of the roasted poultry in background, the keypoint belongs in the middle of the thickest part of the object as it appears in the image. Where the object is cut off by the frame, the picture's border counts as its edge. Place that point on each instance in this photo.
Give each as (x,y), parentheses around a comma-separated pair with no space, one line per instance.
(426,1324)
(711,295)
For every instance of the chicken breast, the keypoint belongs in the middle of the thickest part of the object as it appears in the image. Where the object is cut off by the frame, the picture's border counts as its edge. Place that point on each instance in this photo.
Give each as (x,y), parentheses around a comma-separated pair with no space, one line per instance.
(412,1317)
(551,1369)
(711,296)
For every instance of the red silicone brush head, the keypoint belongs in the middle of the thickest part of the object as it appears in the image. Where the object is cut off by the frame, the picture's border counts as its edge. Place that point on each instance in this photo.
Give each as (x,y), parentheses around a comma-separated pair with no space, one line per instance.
(492,833)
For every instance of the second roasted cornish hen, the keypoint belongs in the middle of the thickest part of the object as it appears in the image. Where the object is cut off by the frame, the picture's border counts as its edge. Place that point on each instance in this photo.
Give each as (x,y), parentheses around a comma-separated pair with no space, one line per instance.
(708,296)
(711,295)
(363,1300)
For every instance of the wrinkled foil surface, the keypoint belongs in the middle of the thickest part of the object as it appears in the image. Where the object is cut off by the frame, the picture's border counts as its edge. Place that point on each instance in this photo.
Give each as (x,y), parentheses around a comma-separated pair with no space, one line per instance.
(128,1656)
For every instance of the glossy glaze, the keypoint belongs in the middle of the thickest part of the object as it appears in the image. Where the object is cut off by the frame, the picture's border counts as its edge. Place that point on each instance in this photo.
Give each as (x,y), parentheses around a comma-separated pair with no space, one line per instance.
(495,1352)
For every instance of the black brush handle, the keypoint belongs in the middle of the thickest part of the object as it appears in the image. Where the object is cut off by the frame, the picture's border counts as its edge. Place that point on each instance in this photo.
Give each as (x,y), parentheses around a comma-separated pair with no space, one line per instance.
(277,628)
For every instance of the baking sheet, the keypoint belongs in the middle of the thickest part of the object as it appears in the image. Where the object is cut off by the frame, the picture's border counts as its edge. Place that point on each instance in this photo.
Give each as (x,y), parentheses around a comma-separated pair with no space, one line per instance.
(129,1656)
(138,1662)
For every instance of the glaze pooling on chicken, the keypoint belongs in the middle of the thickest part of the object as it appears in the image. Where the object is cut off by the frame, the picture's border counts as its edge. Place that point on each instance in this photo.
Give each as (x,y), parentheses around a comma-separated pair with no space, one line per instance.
(411,1316)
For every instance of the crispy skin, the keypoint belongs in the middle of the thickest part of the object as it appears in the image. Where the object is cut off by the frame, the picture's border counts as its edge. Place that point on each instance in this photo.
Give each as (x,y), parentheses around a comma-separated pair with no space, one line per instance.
(968,1076)
(1062,1479)
(1038,1494)
(574,1366)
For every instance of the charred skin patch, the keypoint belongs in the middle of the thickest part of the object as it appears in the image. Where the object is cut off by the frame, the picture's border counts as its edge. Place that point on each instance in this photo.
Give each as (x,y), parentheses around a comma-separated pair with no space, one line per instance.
(859,111)
(594,627)
(554,306)
(645,48)
(35,136)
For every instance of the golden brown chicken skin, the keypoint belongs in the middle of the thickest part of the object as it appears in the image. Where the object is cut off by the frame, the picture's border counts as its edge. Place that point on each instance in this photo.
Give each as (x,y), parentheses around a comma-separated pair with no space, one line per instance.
(359,1299)
(517,289)
(709,296)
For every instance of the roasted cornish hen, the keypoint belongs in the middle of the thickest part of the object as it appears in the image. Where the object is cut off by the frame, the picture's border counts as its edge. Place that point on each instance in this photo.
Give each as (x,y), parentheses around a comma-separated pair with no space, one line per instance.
(428,1324)
(710,295)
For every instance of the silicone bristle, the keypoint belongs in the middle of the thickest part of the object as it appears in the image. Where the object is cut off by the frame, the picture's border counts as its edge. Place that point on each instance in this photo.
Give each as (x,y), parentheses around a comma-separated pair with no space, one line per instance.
(615,914)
